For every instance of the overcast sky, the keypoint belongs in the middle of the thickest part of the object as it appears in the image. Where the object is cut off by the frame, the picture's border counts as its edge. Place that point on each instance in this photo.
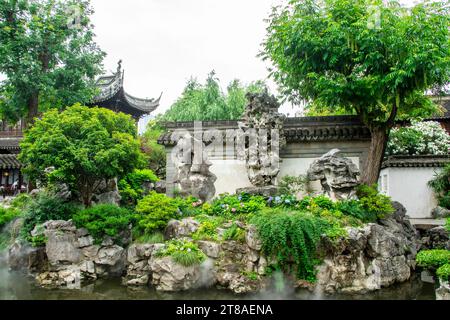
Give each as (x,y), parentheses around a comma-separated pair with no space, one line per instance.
(164,42)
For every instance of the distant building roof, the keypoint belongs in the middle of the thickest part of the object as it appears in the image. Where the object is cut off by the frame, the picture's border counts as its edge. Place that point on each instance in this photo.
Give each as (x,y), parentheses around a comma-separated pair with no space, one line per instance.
(11,144)
(113,96)
(9,161)
(295,129)
(416,161)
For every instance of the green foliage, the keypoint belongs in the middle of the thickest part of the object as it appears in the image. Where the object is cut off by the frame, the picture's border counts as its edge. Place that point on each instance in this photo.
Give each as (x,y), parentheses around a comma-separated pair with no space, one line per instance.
(21,201)
(151,238)
(441,187)
(355,209)
(421,138)
(155,153)
(38,241)
(447,225)
(7,215)
(373,202)
(46,63)
(292,238)
(45,207)
(236,205)
(336,55)
(208,228)
(251,275)
(282,201)
(104,220)
(84,145)
(208,102)
(234,233)
(444,272)
(155,211)
(293,185)
(131,186)
(433,259)
(183,252)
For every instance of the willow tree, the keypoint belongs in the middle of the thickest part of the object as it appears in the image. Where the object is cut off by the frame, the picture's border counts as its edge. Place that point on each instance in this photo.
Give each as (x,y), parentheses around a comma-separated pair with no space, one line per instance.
(48,55)
(373,59)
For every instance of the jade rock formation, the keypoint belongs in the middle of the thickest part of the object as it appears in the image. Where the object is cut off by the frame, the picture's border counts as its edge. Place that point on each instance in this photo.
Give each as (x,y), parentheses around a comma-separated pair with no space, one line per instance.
(338,176)
(262,130)
(193,176)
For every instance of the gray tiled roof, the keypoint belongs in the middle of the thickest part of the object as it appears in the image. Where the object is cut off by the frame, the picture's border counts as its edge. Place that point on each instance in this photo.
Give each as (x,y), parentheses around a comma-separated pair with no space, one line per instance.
(9,161)
(416,161)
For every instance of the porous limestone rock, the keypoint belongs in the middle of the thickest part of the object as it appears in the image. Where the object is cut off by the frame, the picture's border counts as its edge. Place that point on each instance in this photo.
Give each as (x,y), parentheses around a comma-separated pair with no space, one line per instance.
(436,238)
(338,175)
(169,276)
(443,292)
(138,270)
(210,248)
(181,228)
(372,257)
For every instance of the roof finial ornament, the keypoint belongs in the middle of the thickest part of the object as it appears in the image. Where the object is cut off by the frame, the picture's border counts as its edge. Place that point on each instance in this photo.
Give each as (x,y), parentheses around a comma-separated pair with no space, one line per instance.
(119,66)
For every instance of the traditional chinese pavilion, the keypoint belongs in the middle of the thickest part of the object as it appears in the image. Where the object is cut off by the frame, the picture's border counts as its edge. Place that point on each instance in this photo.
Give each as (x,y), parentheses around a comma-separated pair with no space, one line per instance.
(112,95)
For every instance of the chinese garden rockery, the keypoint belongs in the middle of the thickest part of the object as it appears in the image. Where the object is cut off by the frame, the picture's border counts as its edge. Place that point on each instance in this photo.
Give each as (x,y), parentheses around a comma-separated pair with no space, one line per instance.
(369,257)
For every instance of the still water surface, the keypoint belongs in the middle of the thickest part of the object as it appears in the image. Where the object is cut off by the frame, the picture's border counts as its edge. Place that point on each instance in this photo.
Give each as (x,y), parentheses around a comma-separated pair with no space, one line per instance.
(15,286)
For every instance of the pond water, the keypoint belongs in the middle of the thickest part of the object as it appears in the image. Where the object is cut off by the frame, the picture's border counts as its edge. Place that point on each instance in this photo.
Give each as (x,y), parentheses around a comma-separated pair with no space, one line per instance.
(15,286)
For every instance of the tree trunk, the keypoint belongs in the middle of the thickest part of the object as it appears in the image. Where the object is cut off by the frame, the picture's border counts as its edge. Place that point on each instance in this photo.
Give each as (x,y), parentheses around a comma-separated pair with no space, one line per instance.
(372,166)
(33,109)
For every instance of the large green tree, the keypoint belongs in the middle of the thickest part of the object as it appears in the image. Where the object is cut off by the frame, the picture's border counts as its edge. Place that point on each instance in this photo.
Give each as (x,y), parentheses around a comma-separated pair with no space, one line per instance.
(200,102)
(370,58)
(48,55)
(85,146)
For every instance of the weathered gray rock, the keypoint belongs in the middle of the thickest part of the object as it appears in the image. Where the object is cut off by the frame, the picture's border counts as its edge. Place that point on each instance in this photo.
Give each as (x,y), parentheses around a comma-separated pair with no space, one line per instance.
(261,118)
(338,175)
(372,257)
(22,257)
(440,213)
(181,229)
(443,292)
(169,276)
(252,238)
(62,245)
(112,259)
(436,238)
(211,249)
(138,270)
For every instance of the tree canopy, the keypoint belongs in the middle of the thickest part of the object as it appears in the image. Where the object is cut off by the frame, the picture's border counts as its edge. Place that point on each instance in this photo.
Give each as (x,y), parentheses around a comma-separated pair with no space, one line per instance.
(200,102)
(48,55)
(84,146)
(372,59)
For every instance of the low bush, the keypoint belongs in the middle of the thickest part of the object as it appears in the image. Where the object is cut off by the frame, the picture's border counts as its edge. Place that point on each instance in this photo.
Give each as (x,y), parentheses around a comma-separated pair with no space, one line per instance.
(45,207)
(208,228)
(235,205)
(433,259)
(282,201)
(293,184)
(21,201)
(131,186)
(447,225)
(103,221)
(7,215)
(152,238)
(234,233)
(155,211)
(292,239)
(444,272)
(374,203)
(183,252)
(441,187)
(353,208)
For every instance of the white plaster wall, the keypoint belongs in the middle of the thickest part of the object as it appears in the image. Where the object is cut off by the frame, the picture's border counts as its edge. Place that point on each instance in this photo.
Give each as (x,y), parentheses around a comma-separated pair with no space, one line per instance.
(299,166)
(231,175)
(409,186)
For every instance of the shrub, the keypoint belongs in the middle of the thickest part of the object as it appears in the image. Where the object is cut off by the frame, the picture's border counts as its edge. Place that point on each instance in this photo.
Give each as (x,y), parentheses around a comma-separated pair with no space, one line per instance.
(46,207)
(234,233)
(291,237)
(421,138)
(433,259)
(313,203)
(282,201)
(21,201)
(104,220)
(447,225)
(152,238)
(444,272)
(441,187)
(353,208)
(183,252)
(208,229)
(235,205)
(155,211)
(374,203)
(7,215)
(131,186)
